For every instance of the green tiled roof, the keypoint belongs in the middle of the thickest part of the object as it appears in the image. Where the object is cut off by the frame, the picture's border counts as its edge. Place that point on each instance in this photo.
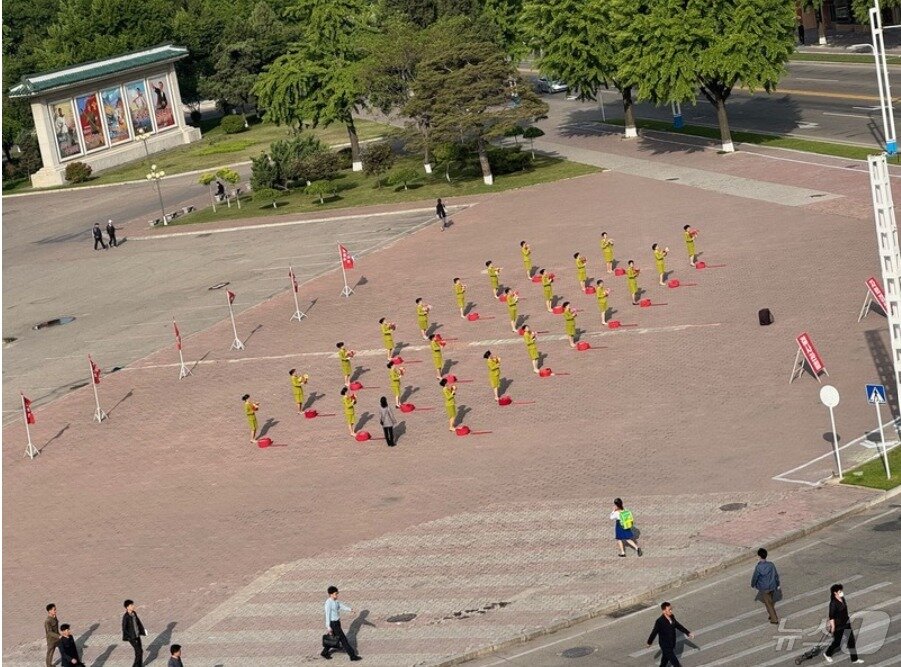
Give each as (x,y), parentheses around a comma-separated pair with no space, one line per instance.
(36,84)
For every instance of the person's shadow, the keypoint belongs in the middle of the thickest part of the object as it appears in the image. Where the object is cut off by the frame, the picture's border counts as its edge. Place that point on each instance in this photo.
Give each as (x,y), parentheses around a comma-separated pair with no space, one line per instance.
(311,399)
(160,641)
(358,373)
(365,418)
(408,392)
(399,430)
(504,386)
(462,411)
(265,429)
(82,640)
(542,357)
(357,624)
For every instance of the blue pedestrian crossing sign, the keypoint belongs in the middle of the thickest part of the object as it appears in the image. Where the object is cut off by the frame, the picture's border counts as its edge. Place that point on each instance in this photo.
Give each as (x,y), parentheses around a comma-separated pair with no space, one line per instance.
(875,393)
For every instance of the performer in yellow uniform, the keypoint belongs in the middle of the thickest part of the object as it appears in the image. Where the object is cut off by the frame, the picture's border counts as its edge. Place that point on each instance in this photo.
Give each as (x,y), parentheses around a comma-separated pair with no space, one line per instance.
(494,275)
(437,358)
(422,317)
(512,307)
(607,248)
(689,235)
(526,252)
(450,402)
(460,293)
(569,319)
(548,288)
(250,411)
(387,329)
(494,372)
(602,293)
(297,383)
(660,261)
(349,401)
(581,270)
(531,341)
(345,355)
(395,373)
(632,280)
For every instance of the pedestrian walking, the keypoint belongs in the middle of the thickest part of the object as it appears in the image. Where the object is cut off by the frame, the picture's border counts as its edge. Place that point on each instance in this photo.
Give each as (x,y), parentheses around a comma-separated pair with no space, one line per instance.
(220,190)
(344,356)
(422,317)
(512,307)
(250,411)
(623,529)
(569,320)
(839,624)
(449,392)
(689,234)
(460,294)
(175,656)
(632,281)
(395,373)
(601,293)
(581,270)
(441,212)
(547,286)
(333,610)
(665,631)
(387,420)
(51,631)
(111,233)
(68,650)
(660,262)
(297,383)
(494,276)
(766,580)
(494,372)
(132,631)
(349,402)
(436,343)
(607,249)
(526,252)
(98,236)
(387,328)
(531,341)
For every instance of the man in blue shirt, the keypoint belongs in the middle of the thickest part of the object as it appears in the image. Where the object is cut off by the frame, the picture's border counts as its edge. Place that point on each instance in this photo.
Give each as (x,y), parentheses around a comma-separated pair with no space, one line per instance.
(766,580)
(333,610)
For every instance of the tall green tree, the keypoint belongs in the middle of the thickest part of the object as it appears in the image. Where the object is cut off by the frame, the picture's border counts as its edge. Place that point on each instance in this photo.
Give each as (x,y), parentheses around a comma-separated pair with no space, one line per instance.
(464,85)
(317,81)
(817,7)
(506,18)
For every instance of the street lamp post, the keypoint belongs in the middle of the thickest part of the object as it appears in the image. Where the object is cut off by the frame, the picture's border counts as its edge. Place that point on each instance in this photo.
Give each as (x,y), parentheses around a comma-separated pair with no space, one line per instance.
(157,175)
(882,78)
(143,136)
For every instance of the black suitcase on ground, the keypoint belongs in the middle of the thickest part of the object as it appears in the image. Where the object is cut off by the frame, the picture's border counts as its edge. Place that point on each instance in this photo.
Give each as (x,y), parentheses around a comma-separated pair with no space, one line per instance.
(765,316)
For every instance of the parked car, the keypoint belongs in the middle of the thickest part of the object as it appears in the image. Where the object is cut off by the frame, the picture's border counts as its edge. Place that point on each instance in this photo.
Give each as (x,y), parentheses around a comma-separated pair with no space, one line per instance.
(545,85)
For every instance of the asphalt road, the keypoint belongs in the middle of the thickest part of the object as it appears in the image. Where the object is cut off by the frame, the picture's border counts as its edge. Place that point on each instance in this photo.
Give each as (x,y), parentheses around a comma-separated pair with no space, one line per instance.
(731,628)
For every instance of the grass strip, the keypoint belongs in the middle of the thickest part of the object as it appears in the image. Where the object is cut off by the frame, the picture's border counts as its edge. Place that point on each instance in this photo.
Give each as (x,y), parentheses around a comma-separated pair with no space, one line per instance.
(872,473)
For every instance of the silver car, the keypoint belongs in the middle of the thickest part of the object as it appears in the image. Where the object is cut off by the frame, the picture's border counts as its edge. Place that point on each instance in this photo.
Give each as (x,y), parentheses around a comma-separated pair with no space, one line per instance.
(545,85)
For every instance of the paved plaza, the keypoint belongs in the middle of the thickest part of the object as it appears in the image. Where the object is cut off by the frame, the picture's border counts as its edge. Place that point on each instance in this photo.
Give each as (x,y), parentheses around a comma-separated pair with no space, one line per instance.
(686,412)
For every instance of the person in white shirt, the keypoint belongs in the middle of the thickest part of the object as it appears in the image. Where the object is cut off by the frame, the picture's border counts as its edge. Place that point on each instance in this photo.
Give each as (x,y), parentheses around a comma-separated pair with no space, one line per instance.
(333,610)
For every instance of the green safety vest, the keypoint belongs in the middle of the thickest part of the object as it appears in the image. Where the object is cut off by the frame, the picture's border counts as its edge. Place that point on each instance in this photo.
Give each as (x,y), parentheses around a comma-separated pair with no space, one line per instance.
(625,519)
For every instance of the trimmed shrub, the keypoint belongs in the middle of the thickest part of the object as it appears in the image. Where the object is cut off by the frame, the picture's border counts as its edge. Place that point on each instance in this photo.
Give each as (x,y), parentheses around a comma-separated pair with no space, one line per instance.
(378,158)
(263,172)
(232,124)
(78,172)
(404,176)
(507,160)
(267,196)
(345,158)
(320,190)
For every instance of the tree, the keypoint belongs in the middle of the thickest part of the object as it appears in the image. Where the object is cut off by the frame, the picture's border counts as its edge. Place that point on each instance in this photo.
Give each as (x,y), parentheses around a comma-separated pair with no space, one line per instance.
(424,13)
(817,7)
(263,173)
(505,17)
(403,176)
(320,190)
(463,85)
(230,176)
(378,158)
(317,81)
(449,153)
(516,132)
(532,133)
(207,180)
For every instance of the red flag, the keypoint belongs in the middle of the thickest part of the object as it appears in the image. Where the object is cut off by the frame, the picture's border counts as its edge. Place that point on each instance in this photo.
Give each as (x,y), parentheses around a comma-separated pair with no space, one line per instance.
(293,279)
(177,336)
(231,296)
(347,260)
(26,405)
(95,371)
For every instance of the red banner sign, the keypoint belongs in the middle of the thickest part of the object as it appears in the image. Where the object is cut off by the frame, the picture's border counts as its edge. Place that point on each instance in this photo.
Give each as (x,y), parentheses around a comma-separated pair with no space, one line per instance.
(347,260)
(809,350)
(876,290)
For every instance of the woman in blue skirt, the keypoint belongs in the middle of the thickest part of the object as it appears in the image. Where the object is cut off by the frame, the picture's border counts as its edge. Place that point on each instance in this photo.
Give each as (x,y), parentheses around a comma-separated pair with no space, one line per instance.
(624,522)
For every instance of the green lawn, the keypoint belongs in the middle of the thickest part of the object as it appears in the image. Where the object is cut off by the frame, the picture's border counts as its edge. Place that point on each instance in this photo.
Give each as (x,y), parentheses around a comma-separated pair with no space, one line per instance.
(849,151)
(872,473)
(842,58)
(217,148)
(355,189)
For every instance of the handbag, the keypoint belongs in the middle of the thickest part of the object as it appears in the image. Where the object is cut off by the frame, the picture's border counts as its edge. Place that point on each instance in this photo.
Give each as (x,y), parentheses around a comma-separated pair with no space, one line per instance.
(330,641)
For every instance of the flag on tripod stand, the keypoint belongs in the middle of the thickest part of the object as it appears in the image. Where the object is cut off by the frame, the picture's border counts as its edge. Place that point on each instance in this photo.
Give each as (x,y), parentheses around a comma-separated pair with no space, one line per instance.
(95,371)
(293,279)
(26,406)
(231,296)
(177,336)
(347,260)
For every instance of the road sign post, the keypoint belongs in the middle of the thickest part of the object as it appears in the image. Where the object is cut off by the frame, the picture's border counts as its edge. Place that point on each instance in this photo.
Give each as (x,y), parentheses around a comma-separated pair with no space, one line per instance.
(876,396)
(829,397)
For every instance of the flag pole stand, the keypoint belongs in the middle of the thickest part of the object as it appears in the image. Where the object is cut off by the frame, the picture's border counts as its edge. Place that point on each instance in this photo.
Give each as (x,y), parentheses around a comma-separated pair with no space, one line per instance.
(865,310)
(99,414)
(184,371)
(798,368)
(347,291)
(298,313)
(236,343)
(30,450)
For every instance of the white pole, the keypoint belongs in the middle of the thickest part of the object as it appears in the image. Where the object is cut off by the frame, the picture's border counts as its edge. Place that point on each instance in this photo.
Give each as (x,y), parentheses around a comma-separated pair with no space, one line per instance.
(882,80)
(30,451)
(99,414)
(297,314)
(838,459)
(601,100)
(347,291)
(236,344)
(184,371)
(888,471)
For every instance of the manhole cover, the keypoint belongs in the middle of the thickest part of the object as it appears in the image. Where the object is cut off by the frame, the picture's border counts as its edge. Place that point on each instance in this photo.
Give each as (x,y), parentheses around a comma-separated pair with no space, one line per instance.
(219,285)
(53,323)
(401,618)
(889,526)
(578,652)
(733,507)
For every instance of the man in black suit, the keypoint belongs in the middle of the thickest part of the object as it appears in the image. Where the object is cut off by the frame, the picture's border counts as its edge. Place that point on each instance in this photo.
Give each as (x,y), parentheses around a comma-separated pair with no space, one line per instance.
(665,630)
(68,651)
(132,631)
